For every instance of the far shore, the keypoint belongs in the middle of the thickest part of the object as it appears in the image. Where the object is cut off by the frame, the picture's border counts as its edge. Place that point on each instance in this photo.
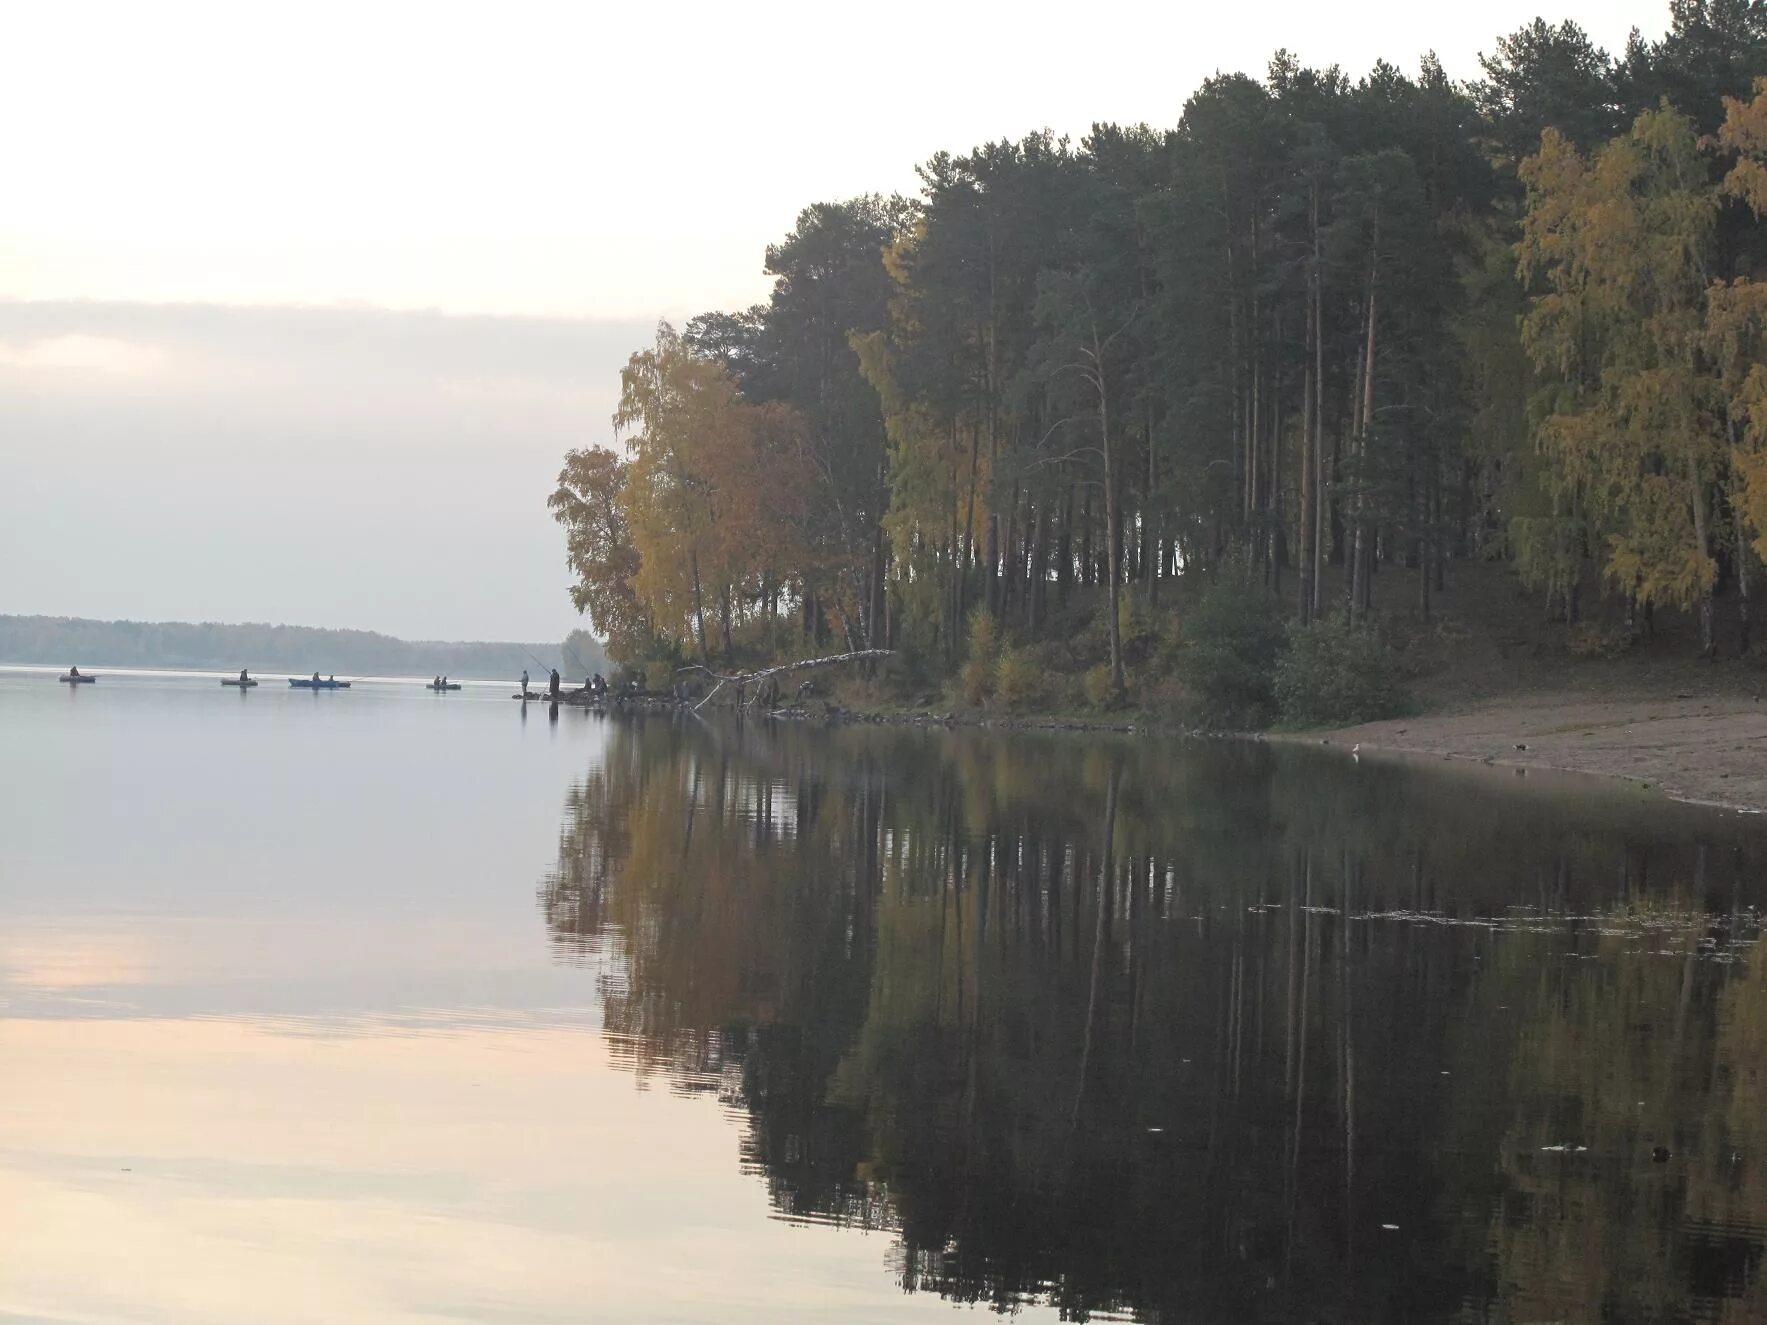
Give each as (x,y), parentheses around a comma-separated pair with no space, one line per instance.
(1708,749)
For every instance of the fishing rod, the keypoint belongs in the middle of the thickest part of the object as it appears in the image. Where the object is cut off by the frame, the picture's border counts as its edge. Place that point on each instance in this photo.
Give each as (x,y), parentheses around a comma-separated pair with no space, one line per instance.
(572,657)
(547,670)
(544,669)
(567,654)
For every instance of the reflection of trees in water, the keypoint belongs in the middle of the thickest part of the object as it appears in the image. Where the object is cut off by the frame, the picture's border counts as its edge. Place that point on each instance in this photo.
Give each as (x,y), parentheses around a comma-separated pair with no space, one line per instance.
(1086,1022)
(1649,1035)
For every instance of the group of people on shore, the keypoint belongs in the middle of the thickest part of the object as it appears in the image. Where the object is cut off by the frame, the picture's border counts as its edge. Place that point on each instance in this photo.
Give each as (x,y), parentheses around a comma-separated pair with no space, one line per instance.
(593,685)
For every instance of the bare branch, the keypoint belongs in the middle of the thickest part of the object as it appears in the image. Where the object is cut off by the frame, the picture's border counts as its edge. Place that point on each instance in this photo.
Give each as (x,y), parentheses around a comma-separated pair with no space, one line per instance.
(747,682)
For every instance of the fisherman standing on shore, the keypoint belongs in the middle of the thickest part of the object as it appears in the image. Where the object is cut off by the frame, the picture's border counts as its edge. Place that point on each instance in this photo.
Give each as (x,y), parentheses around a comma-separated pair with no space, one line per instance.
(554,685)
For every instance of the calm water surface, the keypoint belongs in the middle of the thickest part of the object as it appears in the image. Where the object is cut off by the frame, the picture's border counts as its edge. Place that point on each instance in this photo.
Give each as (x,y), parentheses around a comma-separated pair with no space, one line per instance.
(390,1006)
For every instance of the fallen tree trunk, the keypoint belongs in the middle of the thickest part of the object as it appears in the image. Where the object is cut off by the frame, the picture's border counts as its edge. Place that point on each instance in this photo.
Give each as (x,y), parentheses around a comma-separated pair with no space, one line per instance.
(757,678)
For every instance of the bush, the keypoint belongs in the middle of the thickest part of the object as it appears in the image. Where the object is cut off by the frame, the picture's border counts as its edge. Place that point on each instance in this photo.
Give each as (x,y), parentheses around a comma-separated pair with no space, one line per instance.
(1097,685)
(1018,682)
(1138,628)
(984,635)
(976,679)
(1230,643)
(1333,674)
(1088,638)
(1590,639)
(909,670)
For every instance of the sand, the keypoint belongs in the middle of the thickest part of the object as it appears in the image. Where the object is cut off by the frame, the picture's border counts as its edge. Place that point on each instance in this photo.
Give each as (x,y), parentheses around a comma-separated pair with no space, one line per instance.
(1709,749)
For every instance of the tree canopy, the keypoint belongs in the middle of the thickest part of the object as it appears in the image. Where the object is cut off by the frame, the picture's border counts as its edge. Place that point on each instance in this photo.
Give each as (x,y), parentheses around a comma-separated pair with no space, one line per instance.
(1322,326)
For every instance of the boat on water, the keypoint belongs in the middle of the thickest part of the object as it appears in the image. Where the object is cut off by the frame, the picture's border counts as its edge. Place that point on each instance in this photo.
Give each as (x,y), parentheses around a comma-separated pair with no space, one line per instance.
(246,684)
(76,678)
(450,685)
(308,683)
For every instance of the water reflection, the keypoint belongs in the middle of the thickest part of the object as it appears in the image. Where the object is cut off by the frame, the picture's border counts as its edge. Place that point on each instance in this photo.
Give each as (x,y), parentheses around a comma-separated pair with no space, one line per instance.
(1223,1032)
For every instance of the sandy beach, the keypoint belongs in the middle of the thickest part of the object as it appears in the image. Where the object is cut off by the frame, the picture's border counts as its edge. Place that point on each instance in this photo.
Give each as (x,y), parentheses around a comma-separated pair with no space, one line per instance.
(1709,748)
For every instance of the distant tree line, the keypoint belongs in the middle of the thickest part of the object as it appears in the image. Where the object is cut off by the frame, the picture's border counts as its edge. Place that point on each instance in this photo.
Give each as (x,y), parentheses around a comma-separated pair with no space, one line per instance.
(60,641)
(1323,328)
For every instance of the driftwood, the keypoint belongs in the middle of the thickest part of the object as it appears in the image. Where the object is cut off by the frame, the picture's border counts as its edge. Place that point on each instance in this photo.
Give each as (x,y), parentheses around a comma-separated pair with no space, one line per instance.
(758,678)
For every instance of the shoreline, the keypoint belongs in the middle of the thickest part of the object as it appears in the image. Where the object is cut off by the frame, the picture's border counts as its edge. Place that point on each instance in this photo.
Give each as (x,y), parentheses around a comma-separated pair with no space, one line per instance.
(1701,749)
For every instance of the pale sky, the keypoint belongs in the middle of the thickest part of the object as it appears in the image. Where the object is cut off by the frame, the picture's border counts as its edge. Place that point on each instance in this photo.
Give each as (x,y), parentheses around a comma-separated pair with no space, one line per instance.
(556,176)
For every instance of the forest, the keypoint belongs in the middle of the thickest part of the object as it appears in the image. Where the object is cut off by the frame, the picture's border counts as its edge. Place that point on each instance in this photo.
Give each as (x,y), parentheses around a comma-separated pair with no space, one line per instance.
(1183,415)
(59,641)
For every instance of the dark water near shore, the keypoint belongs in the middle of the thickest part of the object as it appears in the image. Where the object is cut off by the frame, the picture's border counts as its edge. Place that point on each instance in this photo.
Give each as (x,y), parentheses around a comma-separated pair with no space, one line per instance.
(385,1005)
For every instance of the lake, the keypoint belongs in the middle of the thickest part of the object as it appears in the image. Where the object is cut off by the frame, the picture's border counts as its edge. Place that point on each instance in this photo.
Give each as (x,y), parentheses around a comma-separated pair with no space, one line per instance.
(383,1005)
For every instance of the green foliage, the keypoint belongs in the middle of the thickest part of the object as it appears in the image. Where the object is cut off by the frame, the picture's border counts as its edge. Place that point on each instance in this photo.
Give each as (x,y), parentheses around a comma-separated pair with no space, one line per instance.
(976,680)
(1096,685)
(1066,368)
(1632,412)
(910,671)
(657,668)
(1332,673)
(984,635)
(1018,681)
(1592,639)
(1138,627)
(1227,659)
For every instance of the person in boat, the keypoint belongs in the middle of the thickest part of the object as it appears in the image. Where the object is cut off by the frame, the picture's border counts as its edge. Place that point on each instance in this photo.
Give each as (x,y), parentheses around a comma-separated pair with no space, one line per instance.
(552,685)
(315,678)
(73,671)
(243,678)
(332,679)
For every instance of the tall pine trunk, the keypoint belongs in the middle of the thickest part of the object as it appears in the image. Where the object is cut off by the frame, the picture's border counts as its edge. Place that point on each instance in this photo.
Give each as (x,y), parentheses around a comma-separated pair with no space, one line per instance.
(1305,604)
(1112,518)
(1064,550)
(1360,589)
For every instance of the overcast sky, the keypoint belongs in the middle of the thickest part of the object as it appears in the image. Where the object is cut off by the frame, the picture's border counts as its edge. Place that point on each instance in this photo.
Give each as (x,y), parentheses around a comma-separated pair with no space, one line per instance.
(301,305)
